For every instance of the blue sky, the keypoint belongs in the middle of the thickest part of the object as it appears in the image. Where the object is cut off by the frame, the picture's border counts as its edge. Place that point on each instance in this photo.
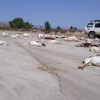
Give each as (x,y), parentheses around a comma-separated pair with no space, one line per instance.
(58,12)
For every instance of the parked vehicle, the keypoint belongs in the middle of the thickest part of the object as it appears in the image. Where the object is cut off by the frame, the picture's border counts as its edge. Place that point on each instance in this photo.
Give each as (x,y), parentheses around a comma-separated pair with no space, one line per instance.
(93,28)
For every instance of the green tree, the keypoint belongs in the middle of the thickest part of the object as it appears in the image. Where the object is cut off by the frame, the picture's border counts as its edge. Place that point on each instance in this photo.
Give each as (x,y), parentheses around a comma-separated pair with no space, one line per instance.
(27,25)
(71,27)
(17,23)
(58,28)
(47,27)
(75,28)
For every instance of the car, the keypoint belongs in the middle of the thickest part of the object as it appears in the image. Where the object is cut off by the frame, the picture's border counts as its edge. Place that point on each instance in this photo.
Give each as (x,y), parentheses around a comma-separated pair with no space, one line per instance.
(93,28)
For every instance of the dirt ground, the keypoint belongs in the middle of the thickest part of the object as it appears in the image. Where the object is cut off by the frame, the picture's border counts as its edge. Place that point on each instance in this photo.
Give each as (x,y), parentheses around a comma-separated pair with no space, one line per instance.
(46,73)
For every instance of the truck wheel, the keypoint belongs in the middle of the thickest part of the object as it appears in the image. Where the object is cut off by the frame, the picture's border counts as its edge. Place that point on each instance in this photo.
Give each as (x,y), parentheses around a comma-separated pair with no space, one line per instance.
(92,35)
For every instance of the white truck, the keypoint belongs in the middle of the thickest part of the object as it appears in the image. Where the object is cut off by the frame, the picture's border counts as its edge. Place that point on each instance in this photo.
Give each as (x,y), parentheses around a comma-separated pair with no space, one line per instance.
(93,28)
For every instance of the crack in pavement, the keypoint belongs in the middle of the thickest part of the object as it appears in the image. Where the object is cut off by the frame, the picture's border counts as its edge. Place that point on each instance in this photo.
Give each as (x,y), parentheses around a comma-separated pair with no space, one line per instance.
(61,86)
(43,65)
